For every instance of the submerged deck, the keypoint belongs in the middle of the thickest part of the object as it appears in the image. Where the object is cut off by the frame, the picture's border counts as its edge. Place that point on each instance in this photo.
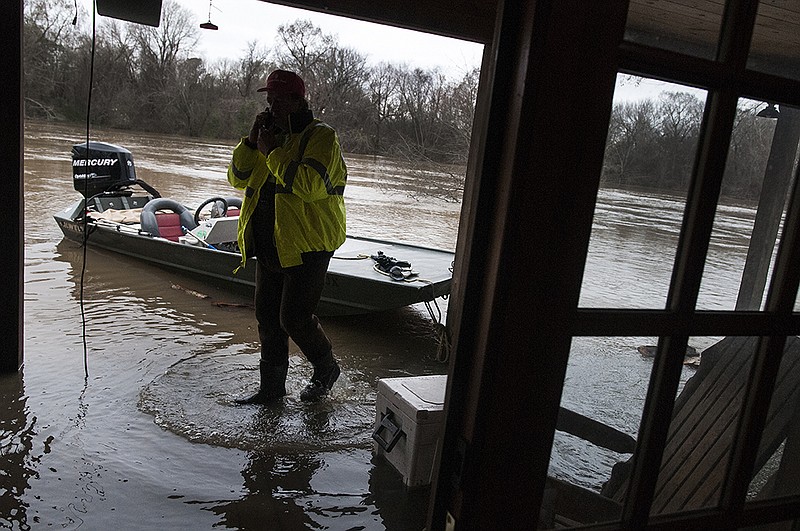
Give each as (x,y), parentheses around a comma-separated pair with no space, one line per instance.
(700,441)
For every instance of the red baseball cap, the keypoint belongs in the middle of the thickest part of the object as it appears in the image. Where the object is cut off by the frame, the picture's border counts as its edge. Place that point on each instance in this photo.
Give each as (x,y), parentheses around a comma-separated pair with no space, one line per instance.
(286,82)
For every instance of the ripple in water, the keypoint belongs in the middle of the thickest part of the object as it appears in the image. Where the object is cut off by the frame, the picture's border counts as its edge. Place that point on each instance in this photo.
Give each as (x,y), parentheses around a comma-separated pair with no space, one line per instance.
(194,399)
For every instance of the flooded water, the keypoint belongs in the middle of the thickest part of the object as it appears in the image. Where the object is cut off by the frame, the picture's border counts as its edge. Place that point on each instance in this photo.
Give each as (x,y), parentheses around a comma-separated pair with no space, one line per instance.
(151,439)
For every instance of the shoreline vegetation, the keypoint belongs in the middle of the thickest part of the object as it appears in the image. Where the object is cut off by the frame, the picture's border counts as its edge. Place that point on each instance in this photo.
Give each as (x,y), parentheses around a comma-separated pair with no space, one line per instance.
(147,79)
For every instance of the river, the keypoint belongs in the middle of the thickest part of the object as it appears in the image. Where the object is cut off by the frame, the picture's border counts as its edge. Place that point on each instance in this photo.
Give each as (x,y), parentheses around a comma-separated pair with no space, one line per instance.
(123,418)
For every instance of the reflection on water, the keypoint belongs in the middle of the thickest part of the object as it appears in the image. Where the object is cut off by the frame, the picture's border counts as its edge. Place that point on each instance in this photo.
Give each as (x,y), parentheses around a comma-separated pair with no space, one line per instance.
(151,439)
(17,432)
(322,490)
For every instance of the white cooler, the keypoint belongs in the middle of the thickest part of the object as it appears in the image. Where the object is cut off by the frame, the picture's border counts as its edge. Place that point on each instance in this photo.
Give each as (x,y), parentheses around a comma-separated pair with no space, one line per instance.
(408,423)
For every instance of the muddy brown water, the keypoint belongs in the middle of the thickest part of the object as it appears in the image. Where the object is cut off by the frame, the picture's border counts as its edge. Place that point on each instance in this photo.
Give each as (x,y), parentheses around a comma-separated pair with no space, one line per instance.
(151,440)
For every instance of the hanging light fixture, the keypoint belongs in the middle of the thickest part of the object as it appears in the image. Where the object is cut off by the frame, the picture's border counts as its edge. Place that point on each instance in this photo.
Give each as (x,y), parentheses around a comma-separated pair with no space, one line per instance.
(769,111)
(209,25)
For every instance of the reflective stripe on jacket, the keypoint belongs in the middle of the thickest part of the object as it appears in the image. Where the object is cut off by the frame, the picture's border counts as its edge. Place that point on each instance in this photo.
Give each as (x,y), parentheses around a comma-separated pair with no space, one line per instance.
(309,204)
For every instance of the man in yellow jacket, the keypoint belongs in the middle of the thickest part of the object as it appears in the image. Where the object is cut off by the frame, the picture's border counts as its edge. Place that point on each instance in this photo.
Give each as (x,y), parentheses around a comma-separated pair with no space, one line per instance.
(292,219)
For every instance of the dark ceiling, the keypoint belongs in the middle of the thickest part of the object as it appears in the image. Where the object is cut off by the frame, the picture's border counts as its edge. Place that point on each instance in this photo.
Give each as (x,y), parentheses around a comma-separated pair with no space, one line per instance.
(471,20)
(687,26)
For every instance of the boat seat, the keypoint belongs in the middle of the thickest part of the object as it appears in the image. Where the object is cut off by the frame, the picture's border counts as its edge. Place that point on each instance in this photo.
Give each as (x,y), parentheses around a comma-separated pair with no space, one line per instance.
(169,225)
(234,206)
(166,218)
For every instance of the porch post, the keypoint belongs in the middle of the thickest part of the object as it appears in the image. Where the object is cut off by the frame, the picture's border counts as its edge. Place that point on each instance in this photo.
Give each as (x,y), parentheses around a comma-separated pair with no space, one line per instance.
(523,239)
(774,190)
(11,155)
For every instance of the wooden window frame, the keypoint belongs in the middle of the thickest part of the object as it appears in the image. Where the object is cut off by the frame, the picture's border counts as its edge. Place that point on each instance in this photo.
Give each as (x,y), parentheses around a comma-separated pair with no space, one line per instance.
(471,488)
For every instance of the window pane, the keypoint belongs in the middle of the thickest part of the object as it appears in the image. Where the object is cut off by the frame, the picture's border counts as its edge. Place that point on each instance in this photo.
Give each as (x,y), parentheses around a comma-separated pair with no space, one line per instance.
(757,180)
(687,27)
(601,409)
(650,150)
(607,382)
(775,46)
(778,459)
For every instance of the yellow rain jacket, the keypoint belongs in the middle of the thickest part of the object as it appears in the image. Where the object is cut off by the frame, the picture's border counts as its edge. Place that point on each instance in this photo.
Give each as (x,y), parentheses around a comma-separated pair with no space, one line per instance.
(309,203)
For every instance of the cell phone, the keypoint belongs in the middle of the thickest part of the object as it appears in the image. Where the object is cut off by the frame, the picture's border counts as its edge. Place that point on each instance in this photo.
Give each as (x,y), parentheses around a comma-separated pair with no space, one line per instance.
(267,120)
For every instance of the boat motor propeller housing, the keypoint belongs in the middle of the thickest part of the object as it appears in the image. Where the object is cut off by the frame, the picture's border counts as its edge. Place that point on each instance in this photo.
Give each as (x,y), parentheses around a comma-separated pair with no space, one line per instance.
(101,168)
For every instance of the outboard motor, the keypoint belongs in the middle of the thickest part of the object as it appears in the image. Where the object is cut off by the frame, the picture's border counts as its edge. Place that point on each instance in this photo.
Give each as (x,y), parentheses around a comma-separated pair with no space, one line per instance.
(104,167)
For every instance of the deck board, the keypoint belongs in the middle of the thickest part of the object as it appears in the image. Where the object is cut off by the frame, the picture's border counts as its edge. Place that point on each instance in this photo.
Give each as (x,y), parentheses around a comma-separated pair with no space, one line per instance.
(701,433)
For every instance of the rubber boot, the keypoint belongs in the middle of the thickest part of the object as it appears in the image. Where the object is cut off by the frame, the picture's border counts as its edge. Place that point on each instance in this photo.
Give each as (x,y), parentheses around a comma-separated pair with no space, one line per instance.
(273,384)
(326,372)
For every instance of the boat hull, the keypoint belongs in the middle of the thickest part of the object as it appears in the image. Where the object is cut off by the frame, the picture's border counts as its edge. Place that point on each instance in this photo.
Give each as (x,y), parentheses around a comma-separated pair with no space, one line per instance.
(352,286)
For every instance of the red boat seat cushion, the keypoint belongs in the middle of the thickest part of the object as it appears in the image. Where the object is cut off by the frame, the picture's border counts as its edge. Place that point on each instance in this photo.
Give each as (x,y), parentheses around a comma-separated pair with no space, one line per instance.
(232,212)
(169,225)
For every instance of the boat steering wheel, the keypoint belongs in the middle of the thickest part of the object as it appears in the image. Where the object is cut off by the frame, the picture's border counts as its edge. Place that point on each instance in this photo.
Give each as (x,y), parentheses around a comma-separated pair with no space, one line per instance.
(216,212)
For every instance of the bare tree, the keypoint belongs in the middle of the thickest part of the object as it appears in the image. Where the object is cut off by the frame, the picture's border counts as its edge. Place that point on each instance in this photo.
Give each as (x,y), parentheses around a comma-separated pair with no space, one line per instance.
(629,138)
(748,152)
(49,41)
(680,114)
(383,92)
(159,52)
(459,114)
(302,47)
(175,36)
(422,95)
(335,78)
(115,82)
(252,69)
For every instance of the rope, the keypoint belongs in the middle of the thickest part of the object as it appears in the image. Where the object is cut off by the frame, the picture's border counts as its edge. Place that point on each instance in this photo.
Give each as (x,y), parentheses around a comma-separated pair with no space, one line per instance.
(389,264)
(442,334)
(440,329)
(443,340)
(445,346)
(85,221)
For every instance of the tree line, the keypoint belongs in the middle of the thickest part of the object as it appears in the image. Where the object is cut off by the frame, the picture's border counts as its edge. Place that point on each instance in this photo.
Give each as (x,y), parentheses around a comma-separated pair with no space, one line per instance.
(651,144)
(149,79)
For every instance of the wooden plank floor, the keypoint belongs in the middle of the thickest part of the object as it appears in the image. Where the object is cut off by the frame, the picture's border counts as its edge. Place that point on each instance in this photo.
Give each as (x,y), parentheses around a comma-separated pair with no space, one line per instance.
(700,437)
